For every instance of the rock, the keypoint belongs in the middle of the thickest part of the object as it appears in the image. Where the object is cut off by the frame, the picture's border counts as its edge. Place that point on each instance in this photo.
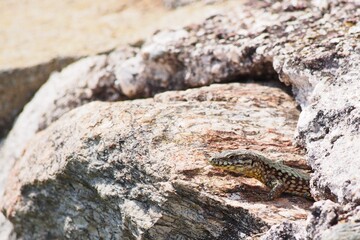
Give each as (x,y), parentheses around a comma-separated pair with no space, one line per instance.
(330,130)
(309,46)
(87,80)
(18,85)
(329,220)
(172,4)
(29,56)
(286,231)
(324,215)
(343,231)
(138,169)
(6,229)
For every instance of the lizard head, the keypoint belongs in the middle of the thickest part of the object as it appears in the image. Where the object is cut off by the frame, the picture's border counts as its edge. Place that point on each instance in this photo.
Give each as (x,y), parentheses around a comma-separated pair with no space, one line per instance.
(234,160)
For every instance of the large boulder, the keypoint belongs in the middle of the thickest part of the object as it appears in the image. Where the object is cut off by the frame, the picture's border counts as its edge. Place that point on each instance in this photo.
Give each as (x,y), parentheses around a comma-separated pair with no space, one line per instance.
(138,169)
(124,166)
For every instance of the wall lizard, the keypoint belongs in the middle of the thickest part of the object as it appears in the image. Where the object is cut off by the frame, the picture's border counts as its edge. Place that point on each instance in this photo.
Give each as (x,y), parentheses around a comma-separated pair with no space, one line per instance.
(275,175)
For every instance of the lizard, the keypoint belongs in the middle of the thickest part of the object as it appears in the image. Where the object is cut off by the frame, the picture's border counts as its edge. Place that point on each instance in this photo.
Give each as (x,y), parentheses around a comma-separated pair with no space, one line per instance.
(275,175)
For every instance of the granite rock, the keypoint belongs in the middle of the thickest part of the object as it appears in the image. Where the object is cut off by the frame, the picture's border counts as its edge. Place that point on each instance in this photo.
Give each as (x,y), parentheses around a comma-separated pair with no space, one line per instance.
(18,85)
(311,46)
(138,169)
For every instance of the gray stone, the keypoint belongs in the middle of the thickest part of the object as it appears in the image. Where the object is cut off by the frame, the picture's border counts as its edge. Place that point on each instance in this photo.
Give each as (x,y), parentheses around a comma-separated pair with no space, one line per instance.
(138,169)
(18,85)
(84,81)
(286,231)
(312,47)
(324,215)
(329,220)
(343,231)
(6,229)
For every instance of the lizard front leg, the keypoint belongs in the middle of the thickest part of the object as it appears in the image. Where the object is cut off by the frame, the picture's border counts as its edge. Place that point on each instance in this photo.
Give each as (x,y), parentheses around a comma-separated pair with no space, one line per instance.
(277,188)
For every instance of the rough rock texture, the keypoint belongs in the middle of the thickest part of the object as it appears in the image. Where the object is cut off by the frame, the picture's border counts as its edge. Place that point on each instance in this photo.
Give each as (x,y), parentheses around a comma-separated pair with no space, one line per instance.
(18,85)
(29,55)
(286,231)
(87,80)
(343,231)
(324,215)
(329,220)
(311,45)
(138,169)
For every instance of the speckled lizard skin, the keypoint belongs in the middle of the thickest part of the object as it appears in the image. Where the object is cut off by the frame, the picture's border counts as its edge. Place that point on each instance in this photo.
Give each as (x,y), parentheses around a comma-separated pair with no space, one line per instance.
(275,175)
